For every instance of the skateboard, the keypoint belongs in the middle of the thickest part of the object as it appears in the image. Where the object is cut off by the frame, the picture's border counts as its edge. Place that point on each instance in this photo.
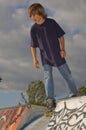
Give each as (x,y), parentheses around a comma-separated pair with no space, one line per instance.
(48,113)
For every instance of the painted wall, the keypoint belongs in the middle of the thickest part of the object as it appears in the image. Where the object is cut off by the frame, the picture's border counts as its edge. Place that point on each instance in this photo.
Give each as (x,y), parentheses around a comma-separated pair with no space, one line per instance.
(69,114)
(10,118)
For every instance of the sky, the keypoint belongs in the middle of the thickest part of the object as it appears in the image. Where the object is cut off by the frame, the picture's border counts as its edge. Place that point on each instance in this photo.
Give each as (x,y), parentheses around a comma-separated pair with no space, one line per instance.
(9,99)
(16,64)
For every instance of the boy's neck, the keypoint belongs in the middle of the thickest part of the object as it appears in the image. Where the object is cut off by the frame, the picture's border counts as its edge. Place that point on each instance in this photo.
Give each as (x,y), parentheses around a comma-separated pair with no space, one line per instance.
(42,20)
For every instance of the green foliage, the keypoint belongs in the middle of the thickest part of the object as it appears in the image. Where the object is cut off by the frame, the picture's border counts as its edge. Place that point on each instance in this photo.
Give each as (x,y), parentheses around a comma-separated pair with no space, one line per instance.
(0,79)
(82,90)
(19,104)
(25,100)
(36,92)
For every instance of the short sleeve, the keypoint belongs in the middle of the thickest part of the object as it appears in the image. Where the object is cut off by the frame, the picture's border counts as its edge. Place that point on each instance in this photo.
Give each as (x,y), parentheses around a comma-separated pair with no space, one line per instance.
(59,31)
(34,42)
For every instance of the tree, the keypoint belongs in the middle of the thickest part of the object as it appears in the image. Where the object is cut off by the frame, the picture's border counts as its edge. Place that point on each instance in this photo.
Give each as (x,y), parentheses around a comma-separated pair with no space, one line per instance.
(0,79)
(25,100)
(36,92)
(82,90)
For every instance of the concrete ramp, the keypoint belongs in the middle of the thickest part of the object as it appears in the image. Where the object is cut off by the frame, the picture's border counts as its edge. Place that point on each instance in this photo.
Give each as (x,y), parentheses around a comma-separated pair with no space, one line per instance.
(70,114)
(39,124)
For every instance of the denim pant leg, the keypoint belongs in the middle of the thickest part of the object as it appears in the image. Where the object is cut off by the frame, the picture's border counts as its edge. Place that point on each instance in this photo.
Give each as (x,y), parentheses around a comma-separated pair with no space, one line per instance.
(66,73)
(48,81)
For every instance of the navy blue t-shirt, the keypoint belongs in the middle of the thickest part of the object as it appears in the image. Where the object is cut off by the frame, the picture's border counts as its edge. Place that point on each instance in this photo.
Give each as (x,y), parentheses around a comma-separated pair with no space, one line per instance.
(45,37)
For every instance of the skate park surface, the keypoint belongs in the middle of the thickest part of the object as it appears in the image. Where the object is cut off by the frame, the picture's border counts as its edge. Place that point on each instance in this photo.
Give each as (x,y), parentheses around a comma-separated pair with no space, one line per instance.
(70,114)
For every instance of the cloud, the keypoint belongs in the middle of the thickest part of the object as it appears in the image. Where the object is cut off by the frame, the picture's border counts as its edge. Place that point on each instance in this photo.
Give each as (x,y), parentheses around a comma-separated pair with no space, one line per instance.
(16,65)
(12,3)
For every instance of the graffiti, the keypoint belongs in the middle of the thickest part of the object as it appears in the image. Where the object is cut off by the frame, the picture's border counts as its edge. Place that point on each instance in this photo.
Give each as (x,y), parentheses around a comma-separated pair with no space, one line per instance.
(10,118)
(3,118)
(68,119)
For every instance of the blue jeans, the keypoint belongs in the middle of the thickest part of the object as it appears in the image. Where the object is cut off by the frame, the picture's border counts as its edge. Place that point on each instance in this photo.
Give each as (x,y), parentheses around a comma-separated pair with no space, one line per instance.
(49,83)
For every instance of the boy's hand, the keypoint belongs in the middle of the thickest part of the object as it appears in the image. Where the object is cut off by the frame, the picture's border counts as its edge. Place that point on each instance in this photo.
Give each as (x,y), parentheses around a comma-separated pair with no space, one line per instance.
(36,63)
(63,53)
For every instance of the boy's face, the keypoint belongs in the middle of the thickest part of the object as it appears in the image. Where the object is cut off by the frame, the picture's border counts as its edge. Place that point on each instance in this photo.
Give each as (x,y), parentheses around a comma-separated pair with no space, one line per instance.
(37,18)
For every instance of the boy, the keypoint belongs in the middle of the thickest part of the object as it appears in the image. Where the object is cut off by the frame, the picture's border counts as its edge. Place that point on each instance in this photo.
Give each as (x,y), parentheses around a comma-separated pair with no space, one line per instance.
(48,36)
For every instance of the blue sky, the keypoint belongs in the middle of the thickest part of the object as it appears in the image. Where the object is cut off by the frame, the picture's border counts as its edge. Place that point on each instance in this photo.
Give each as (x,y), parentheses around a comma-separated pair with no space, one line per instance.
(16,65)
(9,99)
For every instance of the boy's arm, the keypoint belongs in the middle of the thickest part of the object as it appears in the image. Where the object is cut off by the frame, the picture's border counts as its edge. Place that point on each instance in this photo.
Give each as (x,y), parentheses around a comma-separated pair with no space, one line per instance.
(62,44)
(35,61)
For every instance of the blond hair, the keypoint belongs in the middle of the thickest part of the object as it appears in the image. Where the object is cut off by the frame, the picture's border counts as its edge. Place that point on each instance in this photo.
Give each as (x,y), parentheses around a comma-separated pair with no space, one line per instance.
(37,8)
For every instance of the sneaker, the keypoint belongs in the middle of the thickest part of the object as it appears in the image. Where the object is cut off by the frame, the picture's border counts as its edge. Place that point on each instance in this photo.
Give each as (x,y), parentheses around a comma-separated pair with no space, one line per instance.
(51,104)
(72,95)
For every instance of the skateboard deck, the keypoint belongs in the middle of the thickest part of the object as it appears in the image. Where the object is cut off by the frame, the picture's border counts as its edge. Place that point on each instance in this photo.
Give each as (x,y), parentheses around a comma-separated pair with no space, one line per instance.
(48,113)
